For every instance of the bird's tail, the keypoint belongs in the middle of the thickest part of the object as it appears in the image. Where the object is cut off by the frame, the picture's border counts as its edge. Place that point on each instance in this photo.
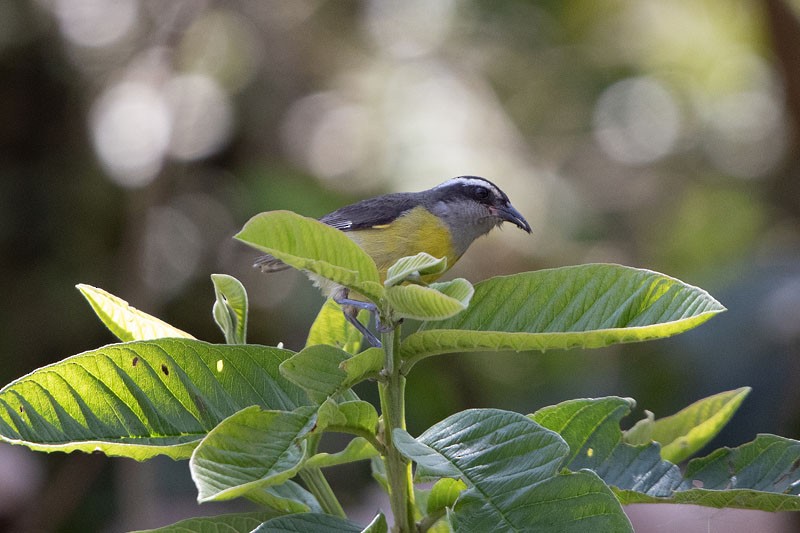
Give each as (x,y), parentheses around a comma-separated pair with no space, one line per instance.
(267,263)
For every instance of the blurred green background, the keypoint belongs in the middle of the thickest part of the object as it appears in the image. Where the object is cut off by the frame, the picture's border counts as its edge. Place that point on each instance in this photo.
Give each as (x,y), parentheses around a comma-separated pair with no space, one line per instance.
(137,136)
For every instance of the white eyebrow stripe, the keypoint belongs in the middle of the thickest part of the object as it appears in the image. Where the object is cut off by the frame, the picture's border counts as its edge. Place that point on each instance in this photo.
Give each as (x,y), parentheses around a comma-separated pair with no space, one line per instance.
(470,181)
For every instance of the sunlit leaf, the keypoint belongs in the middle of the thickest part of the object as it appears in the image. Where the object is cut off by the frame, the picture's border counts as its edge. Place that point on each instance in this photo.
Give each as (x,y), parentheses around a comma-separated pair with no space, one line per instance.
(511,466)
(230,308)
(687,431)
(310,245)
(142,398)
(434,302)
(331,327)
(414,268)
(587,306)
(250,450)
(124,320)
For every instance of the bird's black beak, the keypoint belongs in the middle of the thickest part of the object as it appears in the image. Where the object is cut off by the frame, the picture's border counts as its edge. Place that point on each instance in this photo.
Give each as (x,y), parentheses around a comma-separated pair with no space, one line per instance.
(507,213)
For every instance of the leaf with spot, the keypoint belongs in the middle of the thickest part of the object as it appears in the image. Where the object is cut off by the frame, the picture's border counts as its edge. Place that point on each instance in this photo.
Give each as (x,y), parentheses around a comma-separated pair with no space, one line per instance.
(142,398)
(760,475)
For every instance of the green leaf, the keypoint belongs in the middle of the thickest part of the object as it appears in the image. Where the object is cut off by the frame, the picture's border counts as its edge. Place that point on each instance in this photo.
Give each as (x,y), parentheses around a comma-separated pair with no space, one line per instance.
(357,417)
(250,450)
(511,466)
(288,497)
(230,308)
(125,321)
(761,475)
(591,428)
(414,268)
(316,522)
(587,306)
(434,302)
(143,398)
(324,371)
(684,433)
(227,523)
(310,245)
(331,327)
(358,449)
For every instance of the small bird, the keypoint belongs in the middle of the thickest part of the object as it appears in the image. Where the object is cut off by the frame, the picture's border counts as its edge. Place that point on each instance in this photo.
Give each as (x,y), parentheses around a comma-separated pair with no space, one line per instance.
(442,221)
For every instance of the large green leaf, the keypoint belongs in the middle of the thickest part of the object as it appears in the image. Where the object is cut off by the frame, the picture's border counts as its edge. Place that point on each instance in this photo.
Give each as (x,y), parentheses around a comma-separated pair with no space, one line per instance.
(142,398)
(230,308)
(310,245)
(582,306)
(435,302)
(761,475)
(227,523)
(511,466)
(684,433)
(124,320)
(250,450)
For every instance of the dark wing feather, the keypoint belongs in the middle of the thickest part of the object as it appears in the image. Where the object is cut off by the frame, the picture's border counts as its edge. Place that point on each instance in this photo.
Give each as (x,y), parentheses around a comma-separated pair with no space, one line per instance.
(371,212)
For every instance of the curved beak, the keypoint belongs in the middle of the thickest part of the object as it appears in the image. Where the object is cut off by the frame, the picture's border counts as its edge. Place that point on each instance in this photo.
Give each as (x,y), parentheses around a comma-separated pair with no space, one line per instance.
(507,213)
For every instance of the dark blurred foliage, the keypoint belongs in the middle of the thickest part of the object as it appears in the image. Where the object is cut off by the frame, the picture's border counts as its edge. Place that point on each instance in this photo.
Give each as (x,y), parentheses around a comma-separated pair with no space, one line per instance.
(137,136)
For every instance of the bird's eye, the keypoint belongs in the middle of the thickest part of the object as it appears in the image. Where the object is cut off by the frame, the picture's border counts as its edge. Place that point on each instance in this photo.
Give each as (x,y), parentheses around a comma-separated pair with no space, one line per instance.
(481,193)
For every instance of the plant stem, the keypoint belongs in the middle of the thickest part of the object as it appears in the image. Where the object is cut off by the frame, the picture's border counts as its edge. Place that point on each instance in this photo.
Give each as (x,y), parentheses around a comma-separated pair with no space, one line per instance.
(398,469)
(318,485)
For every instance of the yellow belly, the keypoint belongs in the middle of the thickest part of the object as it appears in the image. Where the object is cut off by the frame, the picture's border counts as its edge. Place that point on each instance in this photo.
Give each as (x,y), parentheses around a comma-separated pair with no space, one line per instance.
(417,231)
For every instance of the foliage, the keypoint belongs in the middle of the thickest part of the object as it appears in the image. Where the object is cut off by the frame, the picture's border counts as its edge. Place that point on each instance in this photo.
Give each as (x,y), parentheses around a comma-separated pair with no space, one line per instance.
(249,418)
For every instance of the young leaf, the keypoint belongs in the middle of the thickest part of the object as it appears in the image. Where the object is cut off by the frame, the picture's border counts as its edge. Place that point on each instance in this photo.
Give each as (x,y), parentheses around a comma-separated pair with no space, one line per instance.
(331,327)
(250,450)
(143,398)
(444,493)
(356,417)
(414,268)
(511,465)
(319,523)
(684,433)
(587,306)
(310,245)
(324,371)
(230,308)
(125,321)
(357,449)
(435,302)
(227,523)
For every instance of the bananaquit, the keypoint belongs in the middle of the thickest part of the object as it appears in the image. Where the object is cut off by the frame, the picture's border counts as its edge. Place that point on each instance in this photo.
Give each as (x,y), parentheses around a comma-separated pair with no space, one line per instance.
(442,221)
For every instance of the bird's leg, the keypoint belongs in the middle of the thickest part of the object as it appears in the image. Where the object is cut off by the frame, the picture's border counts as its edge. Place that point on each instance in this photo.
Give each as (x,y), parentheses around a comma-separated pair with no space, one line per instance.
(350,308)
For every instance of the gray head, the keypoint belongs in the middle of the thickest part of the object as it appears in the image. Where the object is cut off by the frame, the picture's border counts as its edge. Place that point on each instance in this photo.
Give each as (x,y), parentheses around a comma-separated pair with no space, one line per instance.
(471,206)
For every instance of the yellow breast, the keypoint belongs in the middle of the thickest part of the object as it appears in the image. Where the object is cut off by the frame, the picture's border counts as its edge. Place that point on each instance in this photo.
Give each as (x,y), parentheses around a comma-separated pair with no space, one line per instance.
(416,231)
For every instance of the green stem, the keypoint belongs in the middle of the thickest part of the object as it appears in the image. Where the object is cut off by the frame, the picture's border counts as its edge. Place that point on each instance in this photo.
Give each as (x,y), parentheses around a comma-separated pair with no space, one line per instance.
(398,469)
(318,485)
